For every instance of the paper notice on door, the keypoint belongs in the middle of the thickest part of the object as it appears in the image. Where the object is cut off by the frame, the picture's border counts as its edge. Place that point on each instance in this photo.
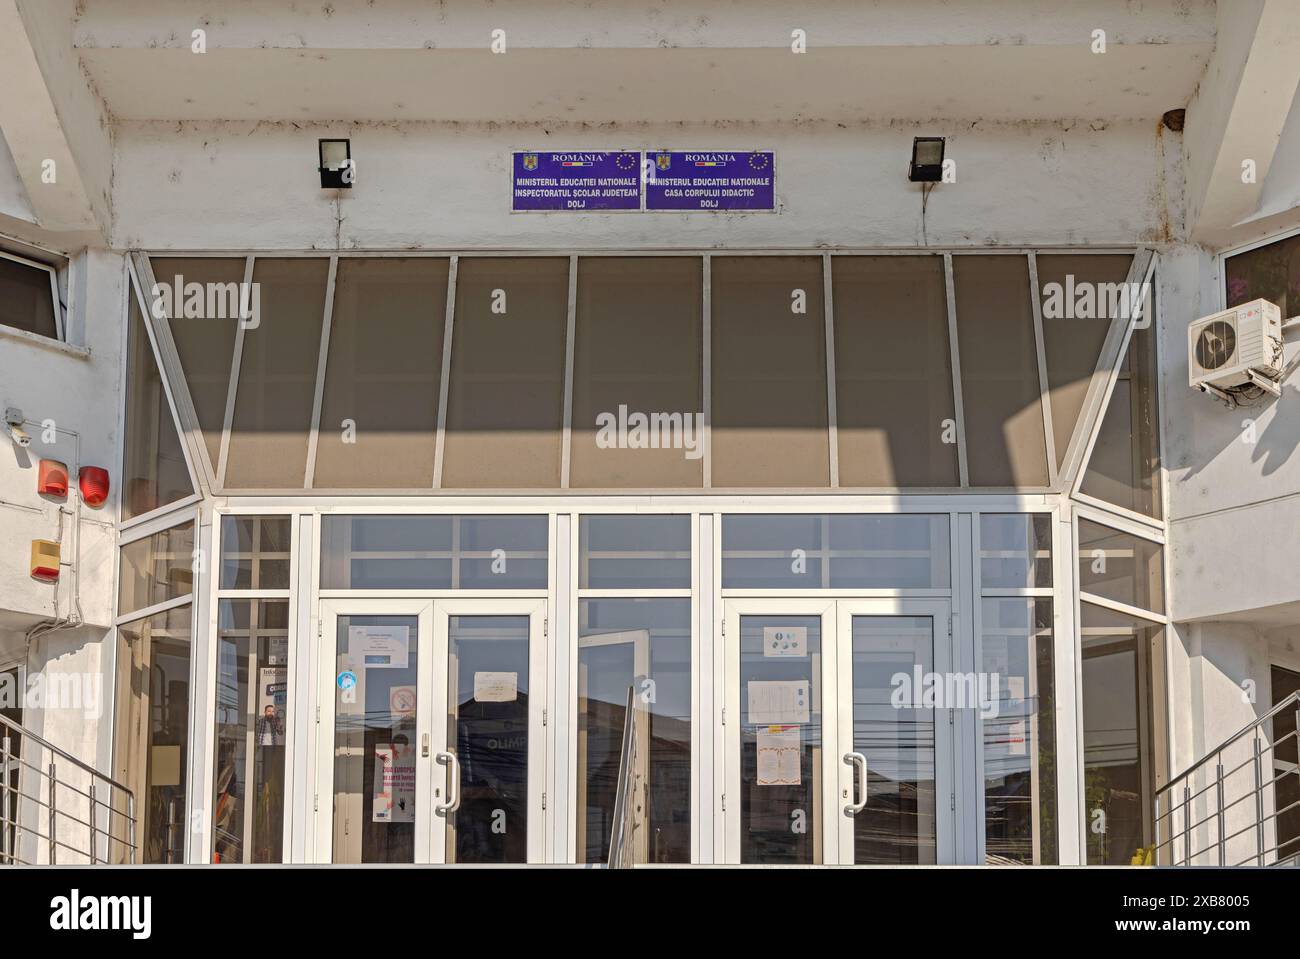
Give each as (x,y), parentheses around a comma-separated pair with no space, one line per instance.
(380,647)
(496,687)
(1016,688)
(402,701)
(778,703)
(785,641)
(778,756)
(394,788)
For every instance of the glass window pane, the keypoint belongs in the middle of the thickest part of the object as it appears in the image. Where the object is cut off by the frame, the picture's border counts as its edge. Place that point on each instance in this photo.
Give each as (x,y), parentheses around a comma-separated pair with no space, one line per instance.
(1270,272)
(255,552)
(434,552)
(819,551)
(768,424)
(379,409)
(252,716)
(1124,733)
(152,732)
(779,794)
(155,569)
(205,335)
(896,738)
(643,644)
(1019,727)
(26,299)
(1124,468)
(1015,550)
(1073,336)
(1120,566)
(505,401)
(277,376)
(635,552)
(154,463)
(893,371)
(1005,443)
(637,354)
(488,731)
(375,741)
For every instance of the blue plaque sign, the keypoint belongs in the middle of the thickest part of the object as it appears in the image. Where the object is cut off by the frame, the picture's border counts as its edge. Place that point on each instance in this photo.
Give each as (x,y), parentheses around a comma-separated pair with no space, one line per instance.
(710,180)
(576,181)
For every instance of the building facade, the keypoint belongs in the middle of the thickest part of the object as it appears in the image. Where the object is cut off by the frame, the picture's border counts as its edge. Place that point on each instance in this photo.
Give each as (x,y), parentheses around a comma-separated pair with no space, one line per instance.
(874,524)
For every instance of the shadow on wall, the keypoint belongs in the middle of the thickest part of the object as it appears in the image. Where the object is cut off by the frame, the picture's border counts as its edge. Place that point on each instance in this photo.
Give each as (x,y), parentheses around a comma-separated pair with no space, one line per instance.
(1272,446)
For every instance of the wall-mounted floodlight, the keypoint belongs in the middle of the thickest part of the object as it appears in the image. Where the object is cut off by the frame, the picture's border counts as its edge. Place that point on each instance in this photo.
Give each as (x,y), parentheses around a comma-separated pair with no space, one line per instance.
(927,160)
(336,169)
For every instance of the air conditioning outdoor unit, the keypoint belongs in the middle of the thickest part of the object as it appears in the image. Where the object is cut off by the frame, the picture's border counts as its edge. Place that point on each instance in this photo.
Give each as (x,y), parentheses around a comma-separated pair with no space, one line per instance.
(1237,350)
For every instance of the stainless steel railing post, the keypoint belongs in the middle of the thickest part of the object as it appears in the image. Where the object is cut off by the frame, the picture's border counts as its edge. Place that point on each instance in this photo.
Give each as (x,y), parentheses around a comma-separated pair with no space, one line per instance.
(53,773)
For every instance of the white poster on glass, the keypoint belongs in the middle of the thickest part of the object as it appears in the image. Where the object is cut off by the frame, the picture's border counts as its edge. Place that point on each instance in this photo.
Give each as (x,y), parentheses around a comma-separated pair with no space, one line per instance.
(394,796)
(778,755)
(380,647)
(778,703)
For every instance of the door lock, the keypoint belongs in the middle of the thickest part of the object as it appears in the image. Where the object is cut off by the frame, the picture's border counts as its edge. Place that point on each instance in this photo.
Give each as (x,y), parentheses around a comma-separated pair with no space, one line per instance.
(424,745)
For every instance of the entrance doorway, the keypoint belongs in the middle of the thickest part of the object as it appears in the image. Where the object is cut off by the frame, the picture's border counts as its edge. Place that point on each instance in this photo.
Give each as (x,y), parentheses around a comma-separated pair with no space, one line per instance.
(430,742)
(833,753)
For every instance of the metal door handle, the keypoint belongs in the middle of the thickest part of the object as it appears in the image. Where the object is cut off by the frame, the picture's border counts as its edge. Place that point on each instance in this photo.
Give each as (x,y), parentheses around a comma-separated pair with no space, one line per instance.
(860,775)
(453,784)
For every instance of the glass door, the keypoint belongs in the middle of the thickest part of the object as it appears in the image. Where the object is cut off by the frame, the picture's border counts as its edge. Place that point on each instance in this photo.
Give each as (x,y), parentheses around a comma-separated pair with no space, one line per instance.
(490,688)
(375,785)
(898,695)
(778,804)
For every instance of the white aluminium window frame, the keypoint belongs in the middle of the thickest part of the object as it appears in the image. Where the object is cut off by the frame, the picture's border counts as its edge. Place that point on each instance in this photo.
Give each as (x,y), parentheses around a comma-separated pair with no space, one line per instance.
(56,301)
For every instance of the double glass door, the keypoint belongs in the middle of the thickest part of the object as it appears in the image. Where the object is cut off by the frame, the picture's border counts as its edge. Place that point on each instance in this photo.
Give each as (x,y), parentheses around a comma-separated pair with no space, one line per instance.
(838,732)
(430,745)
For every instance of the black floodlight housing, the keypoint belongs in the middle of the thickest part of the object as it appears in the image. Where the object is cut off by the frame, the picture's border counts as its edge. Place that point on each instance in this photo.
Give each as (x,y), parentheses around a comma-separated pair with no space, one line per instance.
(336,171)
(927,160)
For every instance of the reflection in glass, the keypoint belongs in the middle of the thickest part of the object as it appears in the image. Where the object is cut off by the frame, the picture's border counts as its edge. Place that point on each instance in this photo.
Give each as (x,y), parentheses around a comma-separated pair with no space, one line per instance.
(487,728)
(780,739)
(838,550)
(644,644)
(1015,550)
(375,801)
(152,733)
(1124,732)
(434,552)
(1121,566)
(155,569)
(635,552)
(251,726)
(1020,738)
(895,734)
(255,552)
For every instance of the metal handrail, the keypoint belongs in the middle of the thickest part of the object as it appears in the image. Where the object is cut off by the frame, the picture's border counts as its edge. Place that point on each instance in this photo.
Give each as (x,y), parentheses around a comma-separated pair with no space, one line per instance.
(54,807)
(1177,824)
(622,853)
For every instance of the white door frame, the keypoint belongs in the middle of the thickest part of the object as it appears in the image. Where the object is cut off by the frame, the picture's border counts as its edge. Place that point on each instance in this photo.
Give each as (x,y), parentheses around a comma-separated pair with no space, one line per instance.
(330,611)
(535,610)
(939,611)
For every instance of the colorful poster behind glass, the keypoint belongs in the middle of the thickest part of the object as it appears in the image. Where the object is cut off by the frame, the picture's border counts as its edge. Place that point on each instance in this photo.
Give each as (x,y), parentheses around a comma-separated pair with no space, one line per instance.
(711,181)
(576,181)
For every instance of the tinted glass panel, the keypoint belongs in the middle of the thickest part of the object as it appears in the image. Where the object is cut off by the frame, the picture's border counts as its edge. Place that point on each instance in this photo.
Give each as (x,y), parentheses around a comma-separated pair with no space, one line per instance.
(635,552)
(813,551)
(645,645)
(1015,550)
(1019,728)
(255,552)
(277,376)
(252,716)
(891,341)
(1120,566)
(155,569)
(434,552)
(1005,444)
(505,402)
(769,419)
(1078,296)
(203,325)
(379,412)
(1271,272)
(637,355)
(154,463)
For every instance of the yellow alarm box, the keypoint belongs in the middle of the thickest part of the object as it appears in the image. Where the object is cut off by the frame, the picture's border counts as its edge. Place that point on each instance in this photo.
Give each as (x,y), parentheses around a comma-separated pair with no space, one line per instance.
(45,560)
